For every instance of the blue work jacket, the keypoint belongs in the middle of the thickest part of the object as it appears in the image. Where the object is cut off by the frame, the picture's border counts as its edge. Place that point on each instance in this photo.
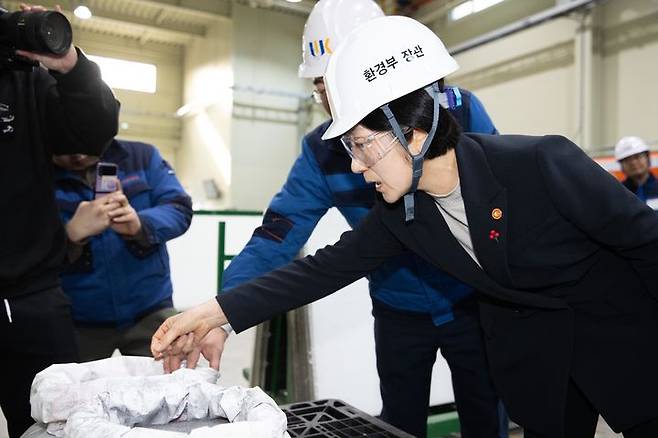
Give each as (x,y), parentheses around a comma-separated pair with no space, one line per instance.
(321,178)
(116,280)
(647,192)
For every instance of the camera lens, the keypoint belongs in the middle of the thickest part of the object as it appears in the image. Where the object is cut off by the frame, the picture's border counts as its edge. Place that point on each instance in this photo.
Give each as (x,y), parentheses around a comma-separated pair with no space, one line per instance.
(41,32)
(55,32)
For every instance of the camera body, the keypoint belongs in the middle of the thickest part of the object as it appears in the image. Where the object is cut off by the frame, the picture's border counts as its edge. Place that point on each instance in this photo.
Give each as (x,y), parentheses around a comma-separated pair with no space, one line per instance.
(47,32)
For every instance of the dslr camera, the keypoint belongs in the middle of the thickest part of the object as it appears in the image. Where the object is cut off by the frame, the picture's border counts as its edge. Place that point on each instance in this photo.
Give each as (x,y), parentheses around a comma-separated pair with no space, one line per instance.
(46,32)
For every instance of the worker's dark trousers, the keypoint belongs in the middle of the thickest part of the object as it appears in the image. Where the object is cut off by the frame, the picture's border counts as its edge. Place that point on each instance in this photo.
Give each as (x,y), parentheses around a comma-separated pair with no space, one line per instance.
(40,333)
(407,344)
(98,341)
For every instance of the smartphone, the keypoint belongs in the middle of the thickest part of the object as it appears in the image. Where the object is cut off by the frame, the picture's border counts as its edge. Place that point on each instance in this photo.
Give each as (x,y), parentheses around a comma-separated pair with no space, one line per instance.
(107,179)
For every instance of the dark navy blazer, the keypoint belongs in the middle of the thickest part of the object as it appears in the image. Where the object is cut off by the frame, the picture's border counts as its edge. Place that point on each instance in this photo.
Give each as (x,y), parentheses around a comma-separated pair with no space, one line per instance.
(568,288)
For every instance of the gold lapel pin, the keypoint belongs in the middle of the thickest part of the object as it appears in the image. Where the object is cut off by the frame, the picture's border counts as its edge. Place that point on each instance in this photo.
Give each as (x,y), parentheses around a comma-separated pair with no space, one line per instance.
(496,213)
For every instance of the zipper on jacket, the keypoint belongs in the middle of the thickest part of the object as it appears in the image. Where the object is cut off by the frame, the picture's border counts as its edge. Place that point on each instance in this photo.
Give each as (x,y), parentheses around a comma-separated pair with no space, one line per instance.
(8,310)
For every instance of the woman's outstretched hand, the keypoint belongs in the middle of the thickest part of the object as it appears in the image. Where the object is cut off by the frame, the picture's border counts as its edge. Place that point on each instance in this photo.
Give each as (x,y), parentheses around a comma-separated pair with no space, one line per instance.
(181,333)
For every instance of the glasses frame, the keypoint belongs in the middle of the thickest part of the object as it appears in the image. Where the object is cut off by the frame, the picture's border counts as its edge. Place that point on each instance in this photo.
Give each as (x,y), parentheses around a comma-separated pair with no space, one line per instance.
(317,95)
(348,141)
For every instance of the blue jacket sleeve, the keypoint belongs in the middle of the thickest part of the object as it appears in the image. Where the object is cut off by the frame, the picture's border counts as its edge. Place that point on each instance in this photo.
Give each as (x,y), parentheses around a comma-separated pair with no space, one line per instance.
(303,281)
(288,222)
(170,213)
(480,120)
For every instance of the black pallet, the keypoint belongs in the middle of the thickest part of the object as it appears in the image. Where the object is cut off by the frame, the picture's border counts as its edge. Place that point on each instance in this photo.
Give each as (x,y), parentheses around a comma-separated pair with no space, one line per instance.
(335,419)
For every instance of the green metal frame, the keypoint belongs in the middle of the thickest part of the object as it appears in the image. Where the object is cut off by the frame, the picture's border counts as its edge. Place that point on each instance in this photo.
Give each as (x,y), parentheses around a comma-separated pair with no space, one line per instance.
(228,212)
(278,390)
(222,257)
(442,425)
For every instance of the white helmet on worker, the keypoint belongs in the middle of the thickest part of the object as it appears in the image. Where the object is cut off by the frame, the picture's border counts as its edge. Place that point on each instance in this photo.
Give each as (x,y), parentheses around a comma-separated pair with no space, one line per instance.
(628,146)
(382,60)
(379,62)
(328,24)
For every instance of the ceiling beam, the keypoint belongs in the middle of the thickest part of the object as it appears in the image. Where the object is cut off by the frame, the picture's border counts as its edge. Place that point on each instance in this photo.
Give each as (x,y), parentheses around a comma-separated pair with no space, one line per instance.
(186,10)
(162,15)
(302,8)
(433,10)
(163,11)
(141,32)
(151,24)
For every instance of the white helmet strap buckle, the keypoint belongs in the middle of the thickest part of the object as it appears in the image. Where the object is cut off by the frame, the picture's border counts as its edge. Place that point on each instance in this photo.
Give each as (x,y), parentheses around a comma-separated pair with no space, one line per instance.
(417,160)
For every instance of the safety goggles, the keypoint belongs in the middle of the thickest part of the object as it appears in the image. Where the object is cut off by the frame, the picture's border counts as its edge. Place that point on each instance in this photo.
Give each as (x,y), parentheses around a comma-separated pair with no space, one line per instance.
(367,151)
(319,90)
(317,95)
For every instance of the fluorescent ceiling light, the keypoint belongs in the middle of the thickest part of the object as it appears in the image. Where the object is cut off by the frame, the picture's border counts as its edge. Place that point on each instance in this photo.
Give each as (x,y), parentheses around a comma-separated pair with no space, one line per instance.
(471,7)
(82,12)
(184,110)
(293,1)
(480,5)
(127,75)
(463,10)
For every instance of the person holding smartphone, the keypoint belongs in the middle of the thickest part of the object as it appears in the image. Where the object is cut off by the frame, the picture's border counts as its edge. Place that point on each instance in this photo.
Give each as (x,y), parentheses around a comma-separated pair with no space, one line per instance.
(119,210)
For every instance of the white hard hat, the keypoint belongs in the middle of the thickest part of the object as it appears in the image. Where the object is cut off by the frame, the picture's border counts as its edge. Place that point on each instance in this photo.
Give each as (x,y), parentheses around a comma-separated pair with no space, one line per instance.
(628,146)
(384,59)
(328,24)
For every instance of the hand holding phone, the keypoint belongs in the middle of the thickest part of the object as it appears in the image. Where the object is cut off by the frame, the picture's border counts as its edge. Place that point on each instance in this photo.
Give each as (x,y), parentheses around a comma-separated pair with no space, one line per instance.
(90,218)
(124,218)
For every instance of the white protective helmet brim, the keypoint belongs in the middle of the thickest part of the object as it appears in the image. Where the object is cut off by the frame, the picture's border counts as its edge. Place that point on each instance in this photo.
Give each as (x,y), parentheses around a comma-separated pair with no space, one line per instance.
(628,146)
(382,60)
(327,25)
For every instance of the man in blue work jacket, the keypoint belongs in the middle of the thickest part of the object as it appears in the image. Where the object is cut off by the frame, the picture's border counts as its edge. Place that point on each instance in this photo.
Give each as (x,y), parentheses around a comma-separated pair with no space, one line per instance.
(418,310)
(632,153)
(118,276)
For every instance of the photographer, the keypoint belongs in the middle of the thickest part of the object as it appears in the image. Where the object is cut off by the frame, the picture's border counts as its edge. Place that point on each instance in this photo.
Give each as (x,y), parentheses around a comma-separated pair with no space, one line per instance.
(63,108)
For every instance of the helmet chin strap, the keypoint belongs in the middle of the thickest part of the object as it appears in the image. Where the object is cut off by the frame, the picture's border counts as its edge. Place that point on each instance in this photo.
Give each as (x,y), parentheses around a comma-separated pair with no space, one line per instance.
(417,160)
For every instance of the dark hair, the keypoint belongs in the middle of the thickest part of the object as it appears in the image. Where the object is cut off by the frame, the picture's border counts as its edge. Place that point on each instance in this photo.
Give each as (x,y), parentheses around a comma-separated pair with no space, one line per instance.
(415,110)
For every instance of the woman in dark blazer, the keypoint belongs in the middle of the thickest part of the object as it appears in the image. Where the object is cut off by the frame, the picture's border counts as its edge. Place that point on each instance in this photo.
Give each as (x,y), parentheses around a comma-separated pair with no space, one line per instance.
(564,257)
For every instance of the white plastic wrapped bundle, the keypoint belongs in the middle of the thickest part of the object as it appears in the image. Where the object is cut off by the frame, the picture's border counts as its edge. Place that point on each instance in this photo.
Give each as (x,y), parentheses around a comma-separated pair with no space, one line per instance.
(130,396)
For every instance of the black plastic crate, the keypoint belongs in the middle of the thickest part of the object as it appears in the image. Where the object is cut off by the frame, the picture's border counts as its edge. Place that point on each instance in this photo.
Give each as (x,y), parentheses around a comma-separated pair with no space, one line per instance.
(335,419)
